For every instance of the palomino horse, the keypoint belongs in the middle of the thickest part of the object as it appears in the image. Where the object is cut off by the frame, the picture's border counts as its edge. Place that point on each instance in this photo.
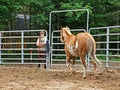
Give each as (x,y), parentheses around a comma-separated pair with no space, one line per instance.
(79,45)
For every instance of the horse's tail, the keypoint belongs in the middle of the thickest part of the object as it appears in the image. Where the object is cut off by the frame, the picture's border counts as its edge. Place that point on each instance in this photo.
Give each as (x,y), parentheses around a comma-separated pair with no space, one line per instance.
(91,46)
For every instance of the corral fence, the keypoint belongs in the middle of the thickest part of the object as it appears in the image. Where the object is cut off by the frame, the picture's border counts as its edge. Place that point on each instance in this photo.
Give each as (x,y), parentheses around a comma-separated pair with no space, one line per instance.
(19,47)
(108,44)
(107,41)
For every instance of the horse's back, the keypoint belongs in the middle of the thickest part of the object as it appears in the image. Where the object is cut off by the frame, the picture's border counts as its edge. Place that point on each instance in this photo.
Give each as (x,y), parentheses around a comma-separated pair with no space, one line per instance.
(83,41)
(83,35)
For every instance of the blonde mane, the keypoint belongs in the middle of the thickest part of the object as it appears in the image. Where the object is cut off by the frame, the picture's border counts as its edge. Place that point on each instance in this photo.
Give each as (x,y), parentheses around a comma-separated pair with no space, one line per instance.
(67,30)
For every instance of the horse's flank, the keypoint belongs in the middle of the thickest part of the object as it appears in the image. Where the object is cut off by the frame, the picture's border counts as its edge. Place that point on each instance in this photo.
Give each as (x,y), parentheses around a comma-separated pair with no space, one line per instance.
(76,44)
(85,42)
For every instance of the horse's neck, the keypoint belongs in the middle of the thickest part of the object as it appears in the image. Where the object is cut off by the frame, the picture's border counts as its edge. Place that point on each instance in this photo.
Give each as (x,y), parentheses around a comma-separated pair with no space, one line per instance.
(68,33)
(69,38)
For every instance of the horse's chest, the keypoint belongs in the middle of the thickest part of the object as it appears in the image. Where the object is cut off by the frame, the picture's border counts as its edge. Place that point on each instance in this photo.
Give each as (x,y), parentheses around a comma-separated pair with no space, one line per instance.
(71,48)
(72,51)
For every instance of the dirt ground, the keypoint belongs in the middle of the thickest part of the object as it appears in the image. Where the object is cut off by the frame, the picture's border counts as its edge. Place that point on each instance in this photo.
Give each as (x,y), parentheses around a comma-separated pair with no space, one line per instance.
(17,77)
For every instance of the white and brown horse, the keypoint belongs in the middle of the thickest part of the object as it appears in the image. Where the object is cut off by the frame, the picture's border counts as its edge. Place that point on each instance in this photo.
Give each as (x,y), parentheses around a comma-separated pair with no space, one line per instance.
(79,45)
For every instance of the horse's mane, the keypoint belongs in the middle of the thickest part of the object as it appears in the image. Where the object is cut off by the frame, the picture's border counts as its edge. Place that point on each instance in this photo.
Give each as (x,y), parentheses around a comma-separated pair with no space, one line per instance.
(67,29)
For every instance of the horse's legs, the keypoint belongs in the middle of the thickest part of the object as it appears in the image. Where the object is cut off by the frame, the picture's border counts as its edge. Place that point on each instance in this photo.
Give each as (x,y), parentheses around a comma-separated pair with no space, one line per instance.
(69,64)
(84,66)
(73,60)
(94,66)
(72,64)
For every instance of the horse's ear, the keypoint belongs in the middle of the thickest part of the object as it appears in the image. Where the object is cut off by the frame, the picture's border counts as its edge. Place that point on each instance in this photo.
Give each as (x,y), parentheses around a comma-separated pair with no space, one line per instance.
(66,26)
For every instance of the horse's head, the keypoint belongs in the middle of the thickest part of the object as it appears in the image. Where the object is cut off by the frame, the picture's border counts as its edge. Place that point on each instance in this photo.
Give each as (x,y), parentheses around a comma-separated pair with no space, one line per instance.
(65,31)
(62,34)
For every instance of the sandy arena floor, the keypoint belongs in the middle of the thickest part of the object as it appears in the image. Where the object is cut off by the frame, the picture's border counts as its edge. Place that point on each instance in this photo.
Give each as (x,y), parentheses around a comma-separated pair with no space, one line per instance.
(16,77)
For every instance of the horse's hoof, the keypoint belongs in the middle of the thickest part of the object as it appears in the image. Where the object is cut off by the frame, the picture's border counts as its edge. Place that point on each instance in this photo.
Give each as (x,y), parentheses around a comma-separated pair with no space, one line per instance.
(83,77)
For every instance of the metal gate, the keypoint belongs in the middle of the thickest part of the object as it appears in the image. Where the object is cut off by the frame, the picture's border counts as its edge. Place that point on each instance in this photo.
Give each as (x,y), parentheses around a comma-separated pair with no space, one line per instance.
(57,52)
(108,44)
(19,47)
(58,56)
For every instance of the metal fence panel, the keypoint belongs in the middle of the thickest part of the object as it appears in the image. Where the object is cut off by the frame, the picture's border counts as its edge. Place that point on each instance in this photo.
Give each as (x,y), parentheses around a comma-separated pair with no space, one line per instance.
(108,44)
(15,47)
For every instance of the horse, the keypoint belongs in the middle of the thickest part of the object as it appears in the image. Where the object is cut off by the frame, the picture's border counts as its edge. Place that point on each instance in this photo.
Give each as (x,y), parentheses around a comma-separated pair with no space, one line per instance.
(79,45)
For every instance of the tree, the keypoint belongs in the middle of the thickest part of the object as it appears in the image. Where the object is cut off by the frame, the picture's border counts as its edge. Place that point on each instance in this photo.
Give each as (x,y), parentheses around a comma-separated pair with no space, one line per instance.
(39,12)
(102,13)
(67,19)
(8,8)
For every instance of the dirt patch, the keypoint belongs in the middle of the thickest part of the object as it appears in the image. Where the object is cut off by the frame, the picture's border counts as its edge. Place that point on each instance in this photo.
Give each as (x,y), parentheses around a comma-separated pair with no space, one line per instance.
(57,78)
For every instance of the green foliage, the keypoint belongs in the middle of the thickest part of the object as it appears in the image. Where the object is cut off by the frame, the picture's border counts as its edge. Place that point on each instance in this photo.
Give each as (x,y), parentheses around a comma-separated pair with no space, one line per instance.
(102,12)
(7,10)
(78,18)
(39,11)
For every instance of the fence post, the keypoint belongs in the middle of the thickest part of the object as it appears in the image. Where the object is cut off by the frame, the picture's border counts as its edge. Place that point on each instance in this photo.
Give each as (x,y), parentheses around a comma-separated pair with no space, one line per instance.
(107,48)
(31,55)
(22,46)
(0,48)
(47,61)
